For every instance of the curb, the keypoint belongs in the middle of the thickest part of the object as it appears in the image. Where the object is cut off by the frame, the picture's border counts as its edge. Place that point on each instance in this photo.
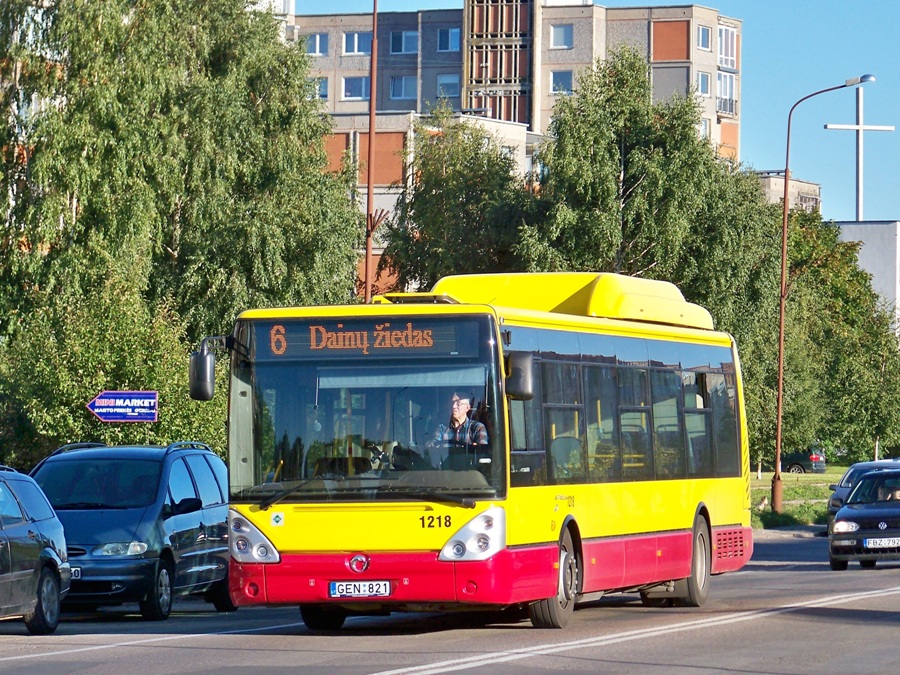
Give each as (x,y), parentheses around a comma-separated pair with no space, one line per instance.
(799,531)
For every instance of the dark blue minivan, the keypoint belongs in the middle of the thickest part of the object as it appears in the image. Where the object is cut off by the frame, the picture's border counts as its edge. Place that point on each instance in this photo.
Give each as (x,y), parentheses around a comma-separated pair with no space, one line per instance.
(142,523)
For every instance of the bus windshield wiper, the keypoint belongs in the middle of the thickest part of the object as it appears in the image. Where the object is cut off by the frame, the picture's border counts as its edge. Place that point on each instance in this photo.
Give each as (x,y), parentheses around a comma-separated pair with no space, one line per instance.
(429,496)
(278,496)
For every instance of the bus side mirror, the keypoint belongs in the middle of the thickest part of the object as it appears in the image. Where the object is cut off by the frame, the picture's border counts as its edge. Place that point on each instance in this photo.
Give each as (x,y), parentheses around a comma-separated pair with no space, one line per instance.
(202,374)
(519,382)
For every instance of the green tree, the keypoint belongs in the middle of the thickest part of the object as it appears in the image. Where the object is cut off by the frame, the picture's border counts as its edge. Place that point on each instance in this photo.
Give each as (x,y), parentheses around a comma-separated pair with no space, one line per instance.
(629,186)
(620,175)
(461,210)
(163,168)
(188,127)
(852,403)
(78,345)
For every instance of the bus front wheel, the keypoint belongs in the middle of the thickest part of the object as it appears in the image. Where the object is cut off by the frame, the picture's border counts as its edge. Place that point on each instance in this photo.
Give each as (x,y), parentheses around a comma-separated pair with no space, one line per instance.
(555,612)
(317,617)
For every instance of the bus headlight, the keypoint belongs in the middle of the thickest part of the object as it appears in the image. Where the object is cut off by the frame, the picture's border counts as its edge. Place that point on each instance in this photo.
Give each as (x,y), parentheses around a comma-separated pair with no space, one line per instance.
(479,539)
(247,543)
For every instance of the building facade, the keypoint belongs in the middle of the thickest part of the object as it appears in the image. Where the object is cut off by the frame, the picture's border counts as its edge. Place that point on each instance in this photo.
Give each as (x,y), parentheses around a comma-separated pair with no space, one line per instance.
(502,63)
(879,255)
(802,194)
(510,59)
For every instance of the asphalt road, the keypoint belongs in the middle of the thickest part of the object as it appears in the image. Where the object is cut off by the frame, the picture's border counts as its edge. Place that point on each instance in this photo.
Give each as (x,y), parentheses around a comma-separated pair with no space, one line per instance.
(786,612)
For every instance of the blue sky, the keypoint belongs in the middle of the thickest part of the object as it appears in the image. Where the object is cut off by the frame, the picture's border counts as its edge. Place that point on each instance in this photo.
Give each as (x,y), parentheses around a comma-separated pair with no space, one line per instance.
(792,48)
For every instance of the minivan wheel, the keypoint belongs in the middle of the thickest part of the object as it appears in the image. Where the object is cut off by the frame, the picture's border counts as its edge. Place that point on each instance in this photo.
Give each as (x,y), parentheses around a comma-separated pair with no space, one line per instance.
(220,597)
(44,618)
(158,603)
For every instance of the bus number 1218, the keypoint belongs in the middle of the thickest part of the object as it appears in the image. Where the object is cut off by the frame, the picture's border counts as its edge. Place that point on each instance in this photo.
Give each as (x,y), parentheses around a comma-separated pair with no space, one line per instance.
(430,522)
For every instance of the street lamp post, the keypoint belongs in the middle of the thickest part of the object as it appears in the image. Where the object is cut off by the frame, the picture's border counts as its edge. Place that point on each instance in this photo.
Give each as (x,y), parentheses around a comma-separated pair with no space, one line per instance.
(776,479)
(372,219)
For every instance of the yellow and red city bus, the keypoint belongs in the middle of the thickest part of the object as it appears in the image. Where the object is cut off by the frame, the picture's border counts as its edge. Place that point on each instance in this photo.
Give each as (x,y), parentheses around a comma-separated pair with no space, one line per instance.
(616,460)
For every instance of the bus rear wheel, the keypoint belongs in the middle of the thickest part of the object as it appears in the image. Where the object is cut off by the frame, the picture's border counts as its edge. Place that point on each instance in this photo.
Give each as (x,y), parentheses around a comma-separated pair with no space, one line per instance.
(317,617)
(555,612)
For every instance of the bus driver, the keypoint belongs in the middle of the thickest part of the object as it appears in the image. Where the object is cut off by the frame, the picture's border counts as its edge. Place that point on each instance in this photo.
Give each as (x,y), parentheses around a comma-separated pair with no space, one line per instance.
(462,429)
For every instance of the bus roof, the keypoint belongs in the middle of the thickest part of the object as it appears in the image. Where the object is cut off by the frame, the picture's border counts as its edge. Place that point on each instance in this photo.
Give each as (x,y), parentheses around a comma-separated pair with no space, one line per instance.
(612,296)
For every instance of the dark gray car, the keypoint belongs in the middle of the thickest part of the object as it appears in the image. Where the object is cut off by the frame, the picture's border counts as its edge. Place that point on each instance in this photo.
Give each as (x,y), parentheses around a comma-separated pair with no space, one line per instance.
(842,488)
(143,523)
(34,574)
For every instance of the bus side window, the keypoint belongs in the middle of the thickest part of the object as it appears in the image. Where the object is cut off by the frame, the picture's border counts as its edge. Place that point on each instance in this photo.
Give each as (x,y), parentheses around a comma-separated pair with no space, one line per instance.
(603,452)
(528,466)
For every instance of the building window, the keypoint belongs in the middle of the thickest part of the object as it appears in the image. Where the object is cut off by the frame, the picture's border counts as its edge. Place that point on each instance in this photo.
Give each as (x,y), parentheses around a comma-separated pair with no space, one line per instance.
(561,37)
(704,129)
(448,39)
(448,86)
(704,83)
(561,81)
(404,42)
(726,100)
(358,42)
(704,36)
(727,47)
(356,89)
(321,86)
(317,44)
(403,87)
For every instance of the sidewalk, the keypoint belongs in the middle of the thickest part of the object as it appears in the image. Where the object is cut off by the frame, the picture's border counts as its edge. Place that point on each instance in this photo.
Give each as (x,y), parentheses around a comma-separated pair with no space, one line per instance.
(805,531)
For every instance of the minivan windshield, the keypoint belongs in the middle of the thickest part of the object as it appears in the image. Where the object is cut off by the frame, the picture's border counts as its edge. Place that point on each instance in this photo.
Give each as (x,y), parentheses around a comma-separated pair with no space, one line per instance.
(99,483)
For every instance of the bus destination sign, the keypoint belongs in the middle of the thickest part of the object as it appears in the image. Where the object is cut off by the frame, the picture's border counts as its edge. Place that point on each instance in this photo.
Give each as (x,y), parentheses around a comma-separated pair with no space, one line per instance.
(384,337)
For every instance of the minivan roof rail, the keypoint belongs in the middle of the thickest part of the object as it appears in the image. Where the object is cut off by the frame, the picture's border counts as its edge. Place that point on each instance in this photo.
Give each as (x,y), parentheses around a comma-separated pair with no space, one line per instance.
(187,445)
(77,446)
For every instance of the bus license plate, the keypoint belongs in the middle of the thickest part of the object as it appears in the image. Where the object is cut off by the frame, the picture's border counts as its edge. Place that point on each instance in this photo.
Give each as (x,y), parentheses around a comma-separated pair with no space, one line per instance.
(882,542)
(76,572)
(359,589)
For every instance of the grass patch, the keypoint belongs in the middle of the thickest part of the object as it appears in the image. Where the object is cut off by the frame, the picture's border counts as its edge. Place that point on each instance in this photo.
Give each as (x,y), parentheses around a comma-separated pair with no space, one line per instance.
(804,498)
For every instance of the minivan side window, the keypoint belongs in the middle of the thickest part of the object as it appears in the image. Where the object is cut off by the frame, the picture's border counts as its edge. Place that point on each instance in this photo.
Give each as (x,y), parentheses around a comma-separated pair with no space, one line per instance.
(36,505)
(180,484)
(10,512)
(221,472)
(206,481)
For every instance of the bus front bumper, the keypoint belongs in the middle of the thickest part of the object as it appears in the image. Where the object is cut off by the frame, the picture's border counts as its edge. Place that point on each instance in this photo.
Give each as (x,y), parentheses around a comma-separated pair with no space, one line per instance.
(415,579)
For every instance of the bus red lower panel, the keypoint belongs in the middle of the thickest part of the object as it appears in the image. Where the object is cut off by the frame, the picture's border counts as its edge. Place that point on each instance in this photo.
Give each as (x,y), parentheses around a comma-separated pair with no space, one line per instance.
(623,562)
(732,548)
(512,576)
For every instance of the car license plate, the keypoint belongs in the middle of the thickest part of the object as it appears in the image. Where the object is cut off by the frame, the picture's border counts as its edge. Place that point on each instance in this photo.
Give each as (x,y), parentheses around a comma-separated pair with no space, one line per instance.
(359,589)
(882,542)
(76,572)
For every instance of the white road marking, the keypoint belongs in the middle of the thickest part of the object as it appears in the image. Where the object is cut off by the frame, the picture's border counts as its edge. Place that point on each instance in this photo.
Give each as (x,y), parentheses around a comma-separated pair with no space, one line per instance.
(509,655)
(541,650)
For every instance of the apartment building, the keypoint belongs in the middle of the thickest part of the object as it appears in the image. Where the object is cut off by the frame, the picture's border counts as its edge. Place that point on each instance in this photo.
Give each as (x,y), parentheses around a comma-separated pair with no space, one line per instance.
(502,63)
(510,59)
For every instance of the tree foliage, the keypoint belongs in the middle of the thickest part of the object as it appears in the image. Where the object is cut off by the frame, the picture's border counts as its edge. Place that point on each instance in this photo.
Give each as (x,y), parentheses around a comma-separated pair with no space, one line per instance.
(461,210)
(76,346)
(163,168)
(620,175)
(191,129)
(850,399)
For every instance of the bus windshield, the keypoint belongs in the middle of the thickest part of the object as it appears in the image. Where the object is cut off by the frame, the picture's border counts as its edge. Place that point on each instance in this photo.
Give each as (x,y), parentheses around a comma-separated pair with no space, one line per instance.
(359,409)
